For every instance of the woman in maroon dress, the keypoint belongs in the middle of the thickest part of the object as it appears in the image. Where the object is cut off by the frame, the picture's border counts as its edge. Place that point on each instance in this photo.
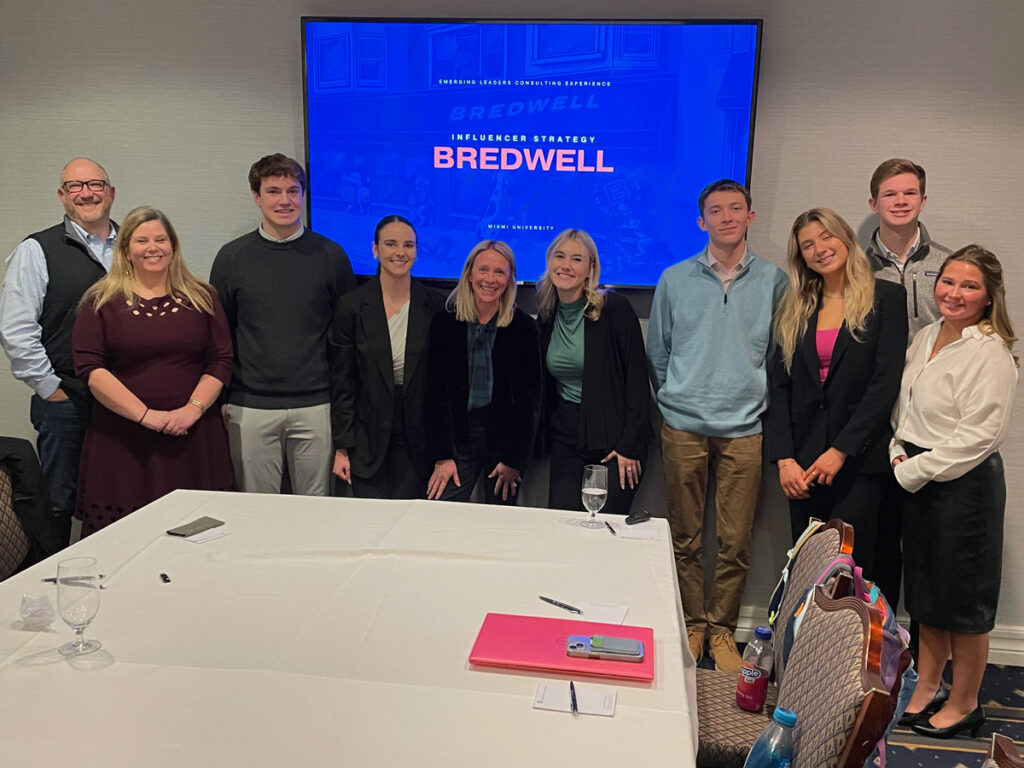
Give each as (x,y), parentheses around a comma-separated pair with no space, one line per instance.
(152,343)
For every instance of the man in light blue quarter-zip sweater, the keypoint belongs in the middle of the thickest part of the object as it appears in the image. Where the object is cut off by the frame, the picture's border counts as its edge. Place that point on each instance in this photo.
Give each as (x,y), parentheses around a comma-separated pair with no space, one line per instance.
(707,344)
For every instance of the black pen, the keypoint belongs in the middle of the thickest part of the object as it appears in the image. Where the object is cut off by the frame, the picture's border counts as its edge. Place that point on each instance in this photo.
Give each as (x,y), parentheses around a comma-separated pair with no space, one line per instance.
(563,606)
(610,528)
(572,698)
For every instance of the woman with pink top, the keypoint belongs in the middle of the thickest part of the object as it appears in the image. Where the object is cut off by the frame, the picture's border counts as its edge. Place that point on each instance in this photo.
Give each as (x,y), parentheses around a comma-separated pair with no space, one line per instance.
(840,336)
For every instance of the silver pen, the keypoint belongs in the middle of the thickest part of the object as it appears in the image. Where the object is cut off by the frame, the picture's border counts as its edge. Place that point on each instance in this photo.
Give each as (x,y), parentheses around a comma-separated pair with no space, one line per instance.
(72,579)
(558,604)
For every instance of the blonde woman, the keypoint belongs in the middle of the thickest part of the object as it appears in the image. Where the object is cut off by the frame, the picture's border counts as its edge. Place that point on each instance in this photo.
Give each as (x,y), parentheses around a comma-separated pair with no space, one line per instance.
(596,391)
(153,345)
(840,336)
(483,382)
(963,375)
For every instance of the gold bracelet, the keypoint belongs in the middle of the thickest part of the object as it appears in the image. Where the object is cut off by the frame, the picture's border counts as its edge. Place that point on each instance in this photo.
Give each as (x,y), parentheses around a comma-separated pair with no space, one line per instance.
(197,404)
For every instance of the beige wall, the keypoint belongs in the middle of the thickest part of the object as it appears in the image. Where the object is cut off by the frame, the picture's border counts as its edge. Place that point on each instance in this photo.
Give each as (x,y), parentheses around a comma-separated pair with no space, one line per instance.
(176,99)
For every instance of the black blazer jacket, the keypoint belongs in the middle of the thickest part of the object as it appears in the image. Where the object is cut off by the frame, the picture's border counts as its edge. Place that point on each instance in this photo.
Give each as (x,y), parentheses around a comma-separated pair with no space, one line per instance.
(851,410)
(615,407)
(362,405)
(515,399)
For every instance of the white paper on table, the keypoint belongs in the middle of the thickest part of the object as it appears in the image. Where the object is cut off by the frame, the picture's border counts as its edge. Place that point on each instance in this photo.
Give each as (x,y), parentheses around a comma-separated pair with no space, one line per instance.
(554,695)
(606,613)
(210,533)
(640,531)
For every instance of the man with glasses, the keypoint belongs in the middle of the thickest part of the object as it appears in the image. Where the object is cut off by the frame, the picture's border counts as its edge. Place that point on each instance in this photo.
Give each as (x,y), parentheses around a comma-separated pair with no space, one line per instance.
(45,279)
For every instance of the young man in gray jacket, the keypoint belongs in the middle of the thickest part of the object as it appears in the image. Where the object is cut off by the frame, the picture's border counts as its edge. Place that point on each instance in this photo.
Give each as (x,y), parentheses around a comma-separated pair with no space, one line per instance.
(901,250)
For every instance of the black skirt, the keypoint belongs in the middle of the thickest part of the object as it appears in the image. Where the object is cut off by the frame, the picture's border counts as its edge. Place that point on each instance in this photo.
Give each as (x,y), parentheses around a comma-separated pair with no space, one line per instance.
(953,549)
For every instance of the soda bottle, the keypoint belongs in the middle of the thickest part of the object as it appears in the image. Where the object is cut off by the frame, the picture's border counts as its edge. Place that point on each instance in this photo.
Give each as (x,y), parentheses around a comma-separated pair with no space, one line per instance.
(774,747)
(752,685)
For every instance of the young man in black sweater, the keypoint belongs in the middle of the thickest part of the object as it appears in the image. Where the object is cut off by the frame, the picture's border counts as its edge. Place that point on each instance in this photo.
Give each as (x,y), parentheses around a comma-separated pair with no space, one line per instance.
(279,286)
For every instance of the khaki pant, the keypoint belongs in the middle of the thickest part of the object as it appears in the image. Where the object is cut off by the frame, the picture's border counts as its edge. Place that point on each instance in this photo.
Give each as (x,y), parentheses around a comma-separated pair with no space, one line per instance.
(261,440)
(687,458)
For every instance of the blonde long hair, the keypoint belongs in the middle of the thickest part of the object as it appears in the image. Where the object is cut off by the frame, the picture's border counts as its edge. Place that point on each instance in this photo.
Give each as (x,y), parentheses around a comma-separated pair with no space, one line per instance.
(119,283)
(547,295)
(461,297)
(803,296)
(996,318)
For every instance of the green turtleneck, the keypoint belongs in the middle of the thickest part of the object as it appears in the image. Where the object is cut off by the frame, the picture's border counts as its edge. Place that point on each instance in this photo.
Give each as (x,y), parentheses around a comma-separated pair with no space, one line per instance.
(565,352)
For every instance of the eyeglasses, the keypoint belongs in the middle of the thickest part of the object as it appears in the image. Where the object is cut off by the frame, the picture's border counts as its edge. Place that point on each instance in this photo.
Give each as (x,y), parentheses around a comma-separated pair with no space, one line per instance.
(95,185)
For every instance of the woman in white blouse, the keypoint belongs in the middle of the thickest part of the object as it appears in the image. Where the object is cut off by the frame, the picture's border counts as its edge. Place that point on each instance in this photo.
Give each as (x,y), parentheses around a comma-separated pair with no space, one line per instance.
(952,414)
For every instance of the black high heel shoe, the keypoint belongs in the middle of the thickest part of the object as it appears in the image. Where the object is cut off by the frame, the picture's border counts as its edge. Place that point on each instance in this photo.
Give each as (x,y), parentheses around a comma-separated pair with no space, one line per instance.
(913,718)
(971,722)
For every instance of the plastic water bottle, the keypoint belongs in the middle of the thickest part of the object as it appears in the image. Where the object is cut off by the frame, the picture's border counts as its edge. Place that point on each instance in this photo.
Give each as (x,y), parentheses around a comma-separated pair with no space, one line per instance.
(752,685)
(774,747)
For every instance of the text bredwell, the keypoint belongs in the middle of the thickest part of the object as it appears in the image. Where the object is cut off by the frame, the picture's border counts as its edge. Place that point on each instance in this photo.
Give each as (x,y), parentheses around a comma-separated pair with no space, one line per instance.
(512,158)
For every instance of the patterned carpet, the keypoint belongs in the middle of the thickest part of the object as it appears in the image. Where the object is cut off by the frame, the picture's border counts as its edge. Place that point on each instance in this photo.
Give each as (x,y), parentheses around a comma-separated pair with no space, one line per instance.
(1002,695)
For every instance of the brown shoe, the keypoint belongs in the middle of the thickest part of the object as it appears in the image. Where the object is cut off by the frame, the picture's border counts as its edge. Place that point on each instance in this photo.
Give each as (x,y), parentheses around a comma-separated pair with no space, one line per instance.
(695,638)
(723,651)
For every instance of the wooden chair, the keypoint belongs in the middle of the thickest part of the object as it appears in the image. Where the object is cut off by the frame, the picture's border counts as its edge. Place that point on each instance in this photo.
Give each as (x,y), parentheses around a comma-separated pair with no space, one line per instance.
(1003,753)
(725,732)
(833,683)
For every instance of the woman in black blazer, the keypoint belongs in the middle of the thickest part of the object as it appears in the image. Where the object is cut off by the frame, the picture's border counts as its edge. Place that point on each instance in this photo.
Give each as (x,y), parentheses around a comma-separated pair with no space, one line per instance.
(483,382)
(380,335)
(596,390)
(841,338)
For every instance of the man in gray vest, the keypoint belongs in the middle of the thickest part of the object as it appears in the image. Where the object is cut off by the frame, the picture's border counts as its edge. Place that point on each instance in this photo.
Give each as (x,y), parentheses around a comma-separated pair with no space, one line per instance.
(45,279)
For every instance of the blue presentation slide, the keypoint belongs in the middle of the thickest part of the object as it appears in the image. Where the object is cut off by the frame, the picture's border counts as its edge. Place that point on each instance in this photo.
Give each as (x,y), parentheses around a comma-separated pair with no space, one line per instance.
(517,131)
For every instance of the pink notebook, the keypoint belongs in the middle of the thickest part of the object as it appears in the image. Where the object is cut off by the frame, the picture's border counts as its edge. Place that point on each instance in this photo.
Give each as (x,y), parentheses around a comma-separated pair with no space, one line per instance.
(532,642)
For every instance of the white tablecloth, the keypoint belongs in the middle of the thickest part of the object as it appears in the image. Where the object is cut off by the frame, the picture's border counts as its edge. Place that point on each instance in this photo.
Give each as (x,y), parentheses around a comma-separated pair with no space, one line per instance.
(336,632)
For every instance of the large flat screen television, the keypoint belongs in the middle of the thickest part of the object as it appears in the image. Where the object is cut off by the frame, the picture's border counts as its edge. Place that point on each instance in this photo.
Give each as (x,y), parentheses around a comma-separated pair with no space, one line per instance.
(516,130)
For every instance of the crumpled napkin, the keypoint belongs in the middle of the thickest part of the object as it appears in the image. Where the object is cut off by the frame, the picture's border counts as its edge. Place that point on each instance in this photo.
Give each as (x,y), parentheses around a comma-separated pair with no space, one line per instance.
(37,612)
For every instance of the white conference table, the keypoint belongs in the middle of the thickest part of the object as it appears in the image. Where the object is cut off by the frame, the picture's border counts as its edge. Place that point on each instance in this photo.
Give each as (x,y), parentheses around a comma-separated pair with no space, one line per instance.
(336,632)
